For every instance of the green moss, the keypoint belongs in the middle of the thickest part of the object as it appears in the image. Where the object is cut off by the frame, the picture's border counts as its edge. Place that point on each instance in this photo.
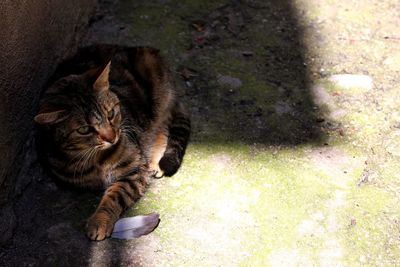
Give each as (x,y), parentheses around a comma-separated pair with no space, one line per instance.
(370,241)
(262,189)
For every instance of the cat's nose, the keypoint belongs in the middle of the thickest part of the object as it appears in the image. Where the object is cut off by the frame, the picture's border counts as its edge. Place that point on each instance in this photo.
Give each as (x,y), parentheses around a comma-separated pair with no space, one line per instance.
(107,134)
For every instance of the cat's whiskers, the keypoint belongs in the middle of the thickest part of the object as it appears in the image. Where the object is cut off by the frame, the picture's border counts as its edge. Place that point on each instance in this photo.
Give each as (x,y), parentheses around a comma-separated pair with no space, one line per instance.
(80,164)
(77,155)
(92,152)
(81,156)
(77,164)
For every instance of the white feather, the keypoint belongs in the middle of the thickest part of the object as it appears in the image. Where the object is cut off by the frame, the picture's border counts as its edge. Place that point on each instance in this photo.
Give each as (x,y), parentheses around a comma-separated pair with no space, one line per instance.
(134,227)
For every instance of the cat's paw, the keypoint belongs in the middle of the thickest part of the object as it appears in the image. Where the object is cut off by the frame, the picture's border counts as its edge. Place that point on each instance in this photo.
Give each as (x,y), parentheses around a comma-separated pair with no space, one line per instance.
(169,164)
(156,172)
(99,226)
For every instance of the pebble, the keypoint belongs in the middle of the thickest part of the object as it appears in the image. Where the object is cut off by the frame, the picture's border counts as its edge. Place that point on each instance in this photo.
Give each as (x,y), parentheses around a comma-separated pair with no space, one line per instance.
(348,81)
(229,81)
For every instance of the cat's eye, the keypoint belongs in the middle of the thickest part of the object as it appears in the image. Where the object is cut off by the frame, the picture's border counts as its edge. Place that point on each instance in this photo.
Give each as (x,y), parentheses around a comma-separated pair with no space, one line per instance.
(84,130)
(111,114)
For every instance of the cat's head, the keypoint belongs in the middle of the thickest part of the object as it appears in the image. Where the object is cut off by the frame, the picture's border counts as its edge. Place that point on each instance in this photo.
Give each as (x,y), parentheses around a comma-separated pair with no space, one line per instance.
(81,112)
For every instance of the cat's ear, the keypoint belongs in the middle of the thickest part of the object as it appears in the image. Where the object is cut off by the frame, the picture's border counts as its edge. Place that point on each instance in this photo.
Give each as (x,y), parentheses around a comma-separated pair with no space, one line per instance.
(101,83)
(51,117)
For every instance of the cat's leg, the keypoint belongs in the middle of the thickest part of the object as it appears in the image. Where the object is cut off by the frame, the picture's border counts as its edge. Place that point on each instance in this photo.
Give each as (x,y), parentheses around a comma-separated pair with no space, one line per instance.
(118,197)
(178,137)
(153,75)
(157,151)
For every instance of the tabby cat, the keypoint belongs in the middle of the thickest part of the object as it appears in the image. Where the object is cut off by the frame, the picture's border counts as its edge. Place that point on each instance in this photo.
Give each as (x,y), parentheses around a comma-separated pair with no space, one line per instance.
(110,119)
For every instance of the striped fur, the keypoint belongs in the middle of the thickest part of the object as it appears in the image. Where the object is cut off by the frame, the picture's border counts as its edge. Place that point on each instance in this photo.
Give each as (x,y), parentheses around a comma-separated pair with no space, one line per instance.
(113,126)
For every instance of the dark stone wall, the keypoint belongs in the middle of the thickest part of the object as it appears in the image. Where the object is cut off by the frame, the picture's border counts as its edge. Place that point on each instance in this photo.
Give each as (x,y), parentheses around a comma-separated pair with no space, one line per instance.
(35,36)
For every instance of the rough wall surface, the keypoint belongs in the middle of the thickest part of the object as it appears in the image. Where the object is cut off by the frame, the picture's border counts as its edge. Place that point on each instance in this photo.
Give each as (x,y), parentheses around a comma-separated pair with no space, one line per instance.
(34,37)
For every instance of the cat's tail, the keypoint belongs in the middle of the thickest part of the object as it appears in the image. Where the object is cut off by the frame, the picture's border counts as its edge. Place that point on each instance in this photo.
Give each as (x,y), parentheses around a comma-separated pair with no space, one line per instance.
(178,138)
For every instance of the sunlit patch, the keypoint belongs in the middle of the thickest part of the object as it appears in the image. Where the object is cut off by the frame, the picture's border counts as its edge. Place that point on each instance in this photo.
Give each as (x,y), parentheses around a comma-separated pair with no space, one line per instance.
(288,258)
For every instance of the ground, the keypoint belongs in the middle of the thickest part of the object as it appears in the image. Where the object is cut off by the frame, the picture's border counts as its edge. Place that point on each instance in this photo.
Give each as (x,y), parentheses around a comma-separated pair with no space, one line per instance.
(295,145)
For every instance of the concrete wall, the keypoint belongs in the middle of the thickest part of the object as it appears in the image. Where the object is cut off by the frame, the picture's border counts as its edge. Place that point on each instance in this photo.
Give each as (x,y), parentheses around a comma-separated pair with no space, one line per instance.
(34,36)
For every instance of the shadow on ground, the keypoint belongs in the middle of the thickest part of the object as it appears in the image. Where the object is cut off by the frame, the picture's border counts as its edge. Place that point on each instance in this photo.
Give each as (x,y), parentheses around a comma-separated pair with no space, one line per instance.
(246,76)
(240,65)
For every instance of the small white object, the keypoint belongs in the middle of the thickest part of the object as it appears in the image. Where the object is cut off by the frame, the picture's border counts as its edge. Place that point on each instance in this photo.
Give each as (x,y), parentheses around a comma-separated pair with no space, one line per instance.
(348,81)
(134,227)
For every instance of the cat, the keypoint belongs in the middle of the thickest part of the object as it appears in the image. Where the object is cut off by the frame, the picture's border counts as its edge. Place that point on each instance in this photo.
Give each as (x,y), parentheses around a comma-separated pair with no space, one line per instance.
(110,119)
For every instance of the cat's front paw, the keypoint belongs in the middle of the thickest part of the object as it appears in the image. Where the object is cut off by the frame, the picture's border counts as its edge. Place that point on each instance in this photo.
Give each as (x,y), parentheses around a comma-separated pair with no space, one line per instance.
(155,171)
(99,226)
